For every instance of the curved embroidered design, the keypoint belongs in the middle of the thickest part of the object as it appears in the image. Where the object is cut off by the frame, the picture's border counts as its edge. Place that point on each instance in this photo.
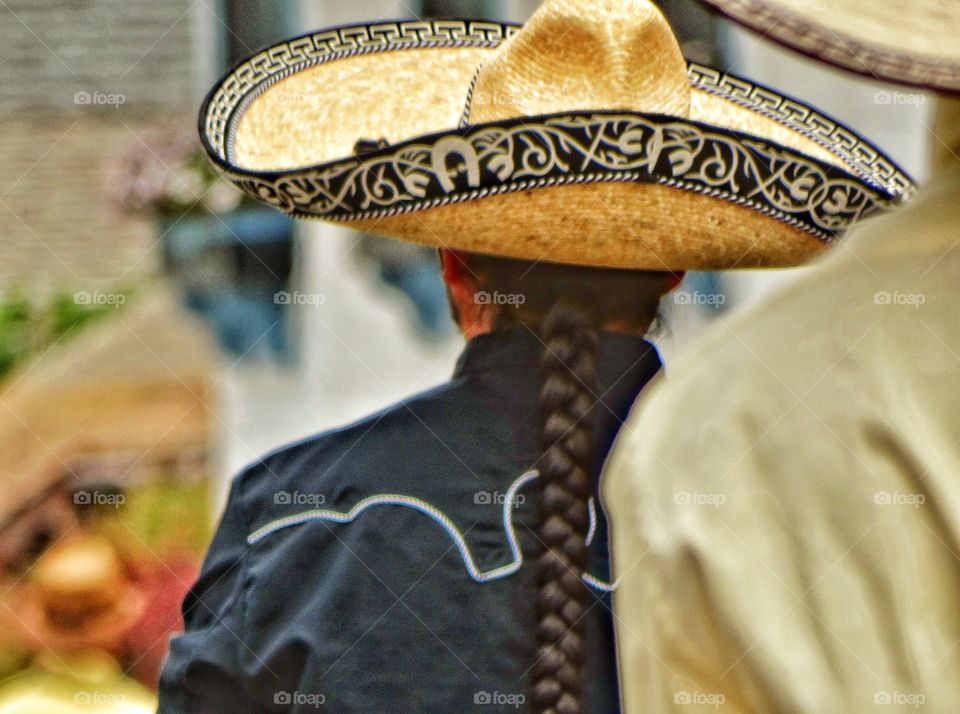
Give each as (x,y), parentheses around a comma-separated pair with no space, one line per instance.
(592,530)
(576,148)
(391,499)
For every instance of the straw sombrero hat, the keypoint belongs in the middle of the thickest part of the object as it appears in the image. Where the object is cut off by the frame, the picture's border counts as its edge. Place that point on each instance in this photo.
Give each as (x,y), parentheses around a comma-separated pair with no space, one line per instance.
(584,138)
(915,43)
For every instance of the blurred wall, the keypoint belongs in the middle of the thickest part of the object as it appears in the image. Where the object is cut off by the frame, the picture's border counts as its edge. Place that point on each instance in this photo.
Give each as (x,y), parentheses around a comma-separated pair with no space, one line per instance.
(78,78)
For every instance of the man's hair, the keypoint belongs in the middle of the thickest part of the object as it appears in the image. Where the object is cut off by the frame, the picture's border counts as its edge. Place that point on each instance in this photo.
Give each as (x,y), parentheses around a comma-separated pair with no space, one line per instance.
(565,306)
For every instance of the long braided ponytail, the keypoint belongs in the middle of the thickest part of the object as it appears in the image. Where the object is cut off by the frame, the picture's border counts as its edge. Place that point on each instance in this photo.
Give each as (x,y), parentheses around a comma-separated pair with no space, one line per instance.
(566,306)
(568,385)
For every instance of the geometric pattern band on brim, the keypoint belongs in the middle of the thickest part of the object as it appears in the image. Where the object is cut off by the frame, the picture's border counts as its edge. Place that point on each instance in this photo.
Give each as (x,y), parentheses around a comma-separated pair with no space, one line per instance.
(573,147)
(478,161)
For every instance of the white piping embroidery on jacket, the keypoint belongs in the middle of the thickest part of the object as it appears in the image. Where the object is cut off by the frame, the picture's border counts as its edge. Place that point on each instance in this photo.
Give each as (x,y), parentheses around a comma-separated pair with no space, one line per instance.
(391,499)
(592,530)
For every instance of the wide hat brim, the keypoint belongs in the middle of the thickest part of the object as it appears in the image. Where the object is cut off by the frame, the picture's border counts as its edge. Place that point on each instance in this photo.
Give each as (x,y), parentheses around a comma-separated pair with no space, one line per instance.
(915,44)
(751,178)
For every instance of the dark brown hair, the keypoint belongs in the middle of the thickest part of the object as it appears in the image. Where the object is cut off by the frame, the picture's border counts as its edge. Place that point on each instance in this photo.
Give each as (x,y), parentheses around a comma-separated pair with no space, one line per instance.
(565,306)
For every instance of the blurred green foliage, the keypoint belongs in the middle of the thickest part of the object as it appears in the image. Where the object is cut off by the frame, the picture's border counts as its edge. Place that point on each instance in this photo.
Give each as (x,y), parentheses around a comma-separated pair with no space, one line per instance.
(169,516)
(16,332)
(27,326)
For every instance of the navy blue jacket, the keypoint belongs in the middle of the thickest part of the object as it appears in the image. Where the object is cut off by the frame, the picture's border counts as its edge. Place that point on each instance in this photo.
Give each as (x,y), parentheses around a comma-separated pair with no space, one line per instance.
(389,566)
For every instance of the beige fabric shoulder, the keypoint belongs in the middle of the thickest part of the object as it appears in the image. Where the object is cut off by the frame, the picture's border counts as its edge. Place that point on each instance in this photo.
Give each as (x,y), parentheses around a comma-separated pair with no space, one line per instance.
(785,504)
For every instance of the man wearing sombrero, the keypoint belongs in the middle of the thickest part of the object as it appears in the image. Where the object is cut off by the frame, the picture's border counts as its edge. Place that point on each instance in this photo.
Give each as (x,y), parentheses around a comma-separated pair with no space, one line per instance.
(785,505)
(448,553)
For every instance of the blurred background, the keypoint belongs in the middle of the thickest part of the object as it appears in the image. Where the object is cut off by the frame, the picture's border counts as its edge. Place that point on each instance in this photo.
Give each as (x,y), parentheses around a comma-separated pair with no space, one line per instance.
(158,332)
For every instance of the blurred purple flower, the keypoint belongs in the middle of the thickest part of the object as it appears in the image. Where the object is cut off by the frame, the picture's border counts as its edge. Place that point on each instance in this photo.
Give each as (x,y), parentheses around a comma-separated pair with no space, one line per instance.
(164,171)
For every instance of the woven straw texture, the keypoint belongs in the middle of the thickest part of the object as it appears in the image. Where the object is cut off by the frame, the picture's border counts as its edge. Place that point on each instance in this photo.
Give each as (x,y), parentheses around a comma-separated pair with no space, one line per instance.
(317,115)
(620,55)
(610,225)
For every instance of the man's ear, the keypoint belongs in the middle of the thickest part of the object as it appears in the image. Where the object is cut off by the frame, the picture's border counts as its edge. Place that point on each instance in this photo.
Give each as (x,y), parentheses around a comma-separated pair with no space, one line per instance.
(460,280)
(453,264)
(462,286)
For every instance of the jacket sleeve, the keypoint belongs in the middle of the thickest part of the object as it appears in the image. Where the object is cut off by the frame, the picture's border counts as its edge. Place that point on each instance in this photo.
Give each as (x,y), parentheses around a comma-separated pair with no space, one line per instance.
(204,670)
(763,562)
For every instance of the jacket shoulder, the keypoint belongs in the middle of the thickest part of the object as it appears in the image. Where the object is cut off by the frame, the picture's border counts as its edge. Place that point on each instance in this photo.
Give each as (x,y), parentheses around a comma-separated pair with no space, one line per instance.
(383,452)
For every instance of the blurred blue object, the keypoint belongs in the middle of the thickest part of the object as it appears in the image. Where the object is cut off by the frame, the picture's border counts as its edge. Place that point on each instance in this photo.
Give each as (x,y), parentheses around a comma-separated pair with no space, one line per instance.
(228,269)
(709,291)
(414,270)
(421,282)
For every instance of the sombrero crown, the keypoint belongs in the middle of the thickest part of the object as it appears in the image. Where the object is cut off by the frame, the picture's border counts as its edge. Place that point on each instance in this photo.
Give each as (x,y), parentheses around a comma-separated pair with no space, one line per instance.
(583,137)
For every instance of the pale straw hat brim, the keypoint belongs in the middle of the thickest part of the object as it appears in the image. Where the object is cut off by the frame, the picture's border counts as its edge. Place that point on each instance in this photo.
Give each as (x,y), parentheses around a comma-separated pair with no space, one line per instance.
(750,178)
(915,43)
(643,226)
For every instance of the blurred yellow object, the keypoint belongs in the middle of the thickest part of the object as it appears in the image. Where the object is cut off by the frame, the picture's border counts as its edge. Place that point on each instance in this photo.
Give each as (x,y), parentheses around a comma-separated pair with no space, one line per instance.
(78,597)
(90,682)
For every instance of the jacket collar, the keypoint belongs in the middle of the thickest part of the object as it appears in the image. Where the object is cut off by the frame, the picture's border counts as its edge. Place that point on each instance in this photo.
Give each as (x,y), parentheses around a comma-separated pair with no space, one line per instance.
(624,361)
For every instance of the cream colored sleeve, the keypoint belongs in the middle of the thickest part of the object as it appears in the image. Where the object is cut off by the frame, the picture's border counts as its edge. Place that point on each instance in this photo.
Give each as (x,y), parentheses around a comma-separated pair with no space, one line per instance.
(758,568)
